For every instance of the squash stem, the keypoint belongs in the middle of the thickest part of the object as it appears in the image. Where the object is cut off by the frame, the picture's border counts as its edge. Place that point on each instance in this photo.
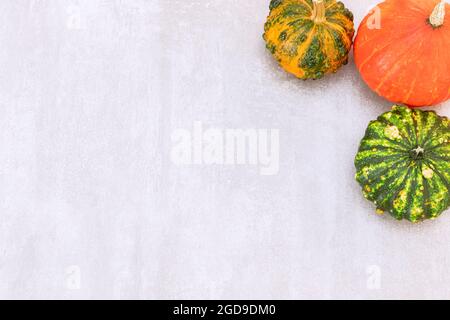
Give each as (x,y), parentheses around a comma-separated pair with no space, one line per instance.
(319,10)
(438,15)
(417,153)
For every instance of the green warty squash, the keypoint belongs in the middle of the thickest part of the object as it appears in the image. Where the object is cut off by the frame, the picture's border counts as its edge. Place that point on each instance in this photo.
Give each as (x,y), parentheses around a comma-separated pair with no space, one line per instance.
(403,164)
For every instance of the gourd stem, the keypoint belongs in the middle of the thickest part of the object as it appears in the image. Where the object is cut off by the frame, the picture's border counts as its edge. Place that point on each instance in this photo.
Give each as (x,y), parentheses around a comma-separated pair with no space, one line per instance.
(438,15)
(319,11)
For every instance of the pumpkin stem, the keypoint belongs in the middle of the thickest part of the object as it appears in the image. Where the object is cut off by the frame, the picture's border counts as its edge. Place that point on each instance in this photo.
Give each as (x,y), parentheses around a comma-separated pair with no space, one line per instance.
(318,14)
(438,15)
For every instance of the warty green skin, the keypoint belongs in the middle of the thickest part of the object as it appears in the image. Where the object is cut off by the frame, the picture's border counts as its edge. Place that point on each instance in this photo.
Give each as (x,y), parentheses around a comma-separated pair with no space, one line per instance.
(403,164)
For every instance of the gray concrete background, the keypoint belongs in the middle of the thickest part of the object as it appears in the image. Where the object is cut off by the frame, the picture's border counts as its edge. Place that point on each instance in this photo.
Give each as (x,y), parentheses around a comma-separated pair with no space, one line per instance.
(92,207)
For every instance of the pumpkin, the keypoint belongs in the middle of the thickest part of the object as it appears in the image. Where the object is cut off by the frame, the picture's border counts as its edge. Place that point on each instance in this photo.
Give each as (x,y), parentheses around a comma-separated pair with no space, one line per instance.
(402,51)
(309,38)
(403,163)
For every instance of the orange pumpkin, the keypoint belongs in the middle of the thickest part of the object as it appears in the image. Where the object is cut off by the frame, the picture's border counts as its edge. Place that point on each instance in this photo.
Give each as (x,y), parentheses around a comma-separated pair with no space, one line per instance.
(402,51)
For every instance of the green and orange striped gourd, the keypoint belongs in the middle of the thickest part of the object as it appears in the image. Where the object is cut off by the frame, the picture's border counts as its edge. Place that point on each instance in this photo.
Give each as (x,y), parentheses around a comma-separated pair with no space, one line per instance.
(309,38)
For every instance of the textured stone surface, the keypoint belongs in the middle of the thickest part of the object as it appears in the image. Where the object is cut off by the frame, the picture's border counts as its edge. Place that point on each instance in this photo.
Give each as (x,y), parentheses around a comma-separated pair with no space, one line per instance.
(92,207)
